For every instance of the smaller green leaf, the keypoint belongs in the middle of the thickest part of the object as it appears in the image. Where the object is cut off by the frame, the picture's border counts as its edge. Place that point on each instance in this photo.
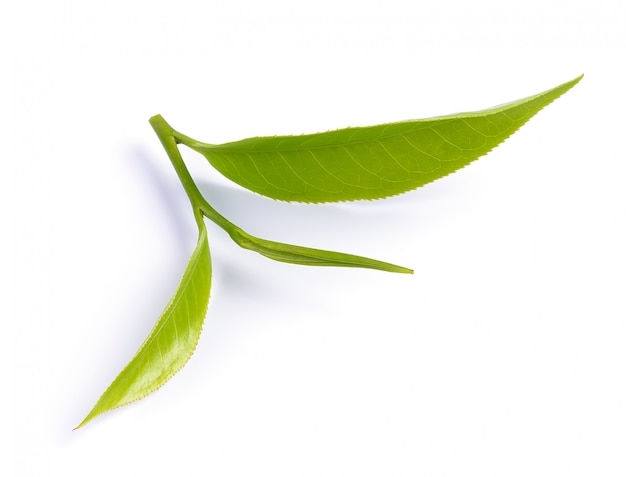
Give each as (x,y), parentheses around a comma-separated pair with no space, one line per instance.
(171,342)
(283,252)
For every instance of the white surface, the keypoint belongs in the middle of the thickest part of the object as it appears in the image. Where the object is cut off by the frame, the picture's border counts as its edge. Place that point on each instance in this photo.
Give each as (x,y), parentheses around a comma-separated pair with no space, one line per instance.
(502,356)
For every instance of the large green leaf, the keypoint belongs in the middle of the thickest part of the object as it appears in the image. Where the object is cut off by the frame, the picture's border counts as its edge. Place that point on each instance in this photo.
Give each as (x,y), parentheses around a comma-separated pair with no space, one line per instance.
(171,342)
(368,162)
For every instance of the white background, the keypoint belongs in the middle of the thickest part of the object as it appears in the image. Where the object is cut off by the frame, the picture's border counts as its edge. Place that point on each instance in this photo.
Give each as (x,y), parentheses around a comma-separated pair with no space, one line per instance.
(503,355)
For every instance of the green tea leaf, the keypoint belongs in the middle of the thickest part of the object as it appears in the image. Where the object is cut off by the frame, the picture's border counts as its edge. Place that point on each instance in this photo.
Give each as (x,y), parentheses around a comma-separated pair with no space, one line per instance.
(171,342)
(347,164)
(368,162)
(288,253)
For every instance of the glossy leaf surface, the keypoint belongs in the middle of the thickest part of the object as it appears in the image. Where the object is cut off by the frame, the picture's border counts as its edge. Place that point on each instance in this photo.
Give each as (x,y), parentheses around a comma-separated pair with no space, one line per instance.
(171,342)
(369,162)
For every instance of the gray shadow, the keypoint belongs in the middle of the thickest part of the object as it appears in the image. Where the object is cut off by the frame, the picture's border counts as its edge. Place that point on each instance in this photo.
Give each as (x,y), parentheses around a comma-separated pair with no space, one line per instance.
(166,192)
(345,221)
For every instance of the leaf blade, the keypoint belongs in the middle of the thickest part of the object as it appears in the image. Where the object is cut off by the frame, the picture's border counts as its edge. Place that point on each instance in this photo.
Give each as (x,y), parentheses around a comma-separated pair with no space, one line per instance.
(370,162)
(172,340)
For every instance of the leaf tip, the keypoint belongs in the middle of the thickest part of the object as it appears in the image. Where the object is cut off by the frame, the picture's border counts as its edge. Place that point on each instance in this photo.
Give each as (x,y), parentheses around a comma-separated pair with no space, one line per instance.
(83,422)
(399,269)
(95,412)
(576,80)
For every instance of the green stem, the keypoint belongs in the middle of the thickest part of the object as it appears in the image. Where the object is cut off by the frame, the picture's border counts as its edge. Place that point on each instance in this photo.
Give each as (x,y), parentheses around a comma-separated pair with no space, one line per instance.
(199,204)
(165,134)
